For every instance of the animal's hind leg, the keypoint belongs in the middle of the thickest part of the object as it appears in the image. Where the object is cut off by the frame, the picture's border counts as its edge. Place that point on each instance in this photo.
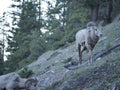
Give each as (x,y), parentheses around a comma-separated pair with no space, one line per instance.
(80,53)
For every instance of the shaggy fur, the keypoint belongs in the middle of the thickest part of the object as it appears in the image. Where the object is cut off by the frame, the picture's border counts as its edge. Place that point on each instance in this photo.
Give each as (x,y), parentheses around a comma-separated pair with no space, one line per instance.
(87,39)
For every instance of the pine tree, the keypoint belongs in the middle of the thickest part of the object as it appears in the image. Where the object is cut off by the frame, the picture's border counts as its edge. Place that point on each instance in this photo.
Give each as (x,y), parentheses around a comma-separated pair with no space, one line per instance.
(20,42)
(1,59)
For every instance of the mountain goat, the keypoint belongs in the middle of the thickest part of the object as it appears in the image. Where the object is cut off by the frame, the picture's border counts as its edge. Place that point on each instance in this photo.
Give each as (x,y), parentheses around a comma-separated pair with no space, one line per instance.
(87,39)
(13,81)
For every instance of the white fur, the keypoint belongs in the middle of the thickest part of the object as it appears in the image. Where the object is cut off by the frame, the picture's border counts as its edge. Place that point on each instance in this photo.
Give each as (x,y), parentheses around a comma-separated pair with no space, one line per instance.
(87,39)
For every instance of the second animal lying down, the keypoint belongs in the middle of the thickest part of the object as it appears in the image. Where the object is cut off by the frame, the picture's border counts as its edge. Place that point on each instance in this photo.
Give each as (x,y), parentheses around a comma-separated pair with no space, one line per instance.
(13,81)
(87,39)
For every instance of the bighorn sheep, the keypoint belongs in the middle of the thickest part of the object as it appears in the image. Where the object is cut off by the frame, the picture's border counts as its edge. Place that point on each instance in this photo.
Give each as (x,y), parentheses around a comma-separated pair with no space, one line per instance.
(13,81)
(87,39)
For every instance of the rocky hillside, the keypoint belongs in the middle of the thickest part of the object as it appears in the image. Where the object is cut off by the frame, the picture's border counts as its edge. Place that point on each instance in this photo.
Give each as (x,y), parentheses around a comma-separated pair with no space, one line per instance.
(103,74)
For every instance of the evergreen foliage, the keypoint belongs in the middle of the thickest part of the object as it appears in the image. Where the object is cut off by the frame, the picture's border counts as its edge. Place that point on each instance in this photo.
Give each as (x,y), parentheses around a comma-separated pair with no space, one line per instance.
(26,43)
(25,73)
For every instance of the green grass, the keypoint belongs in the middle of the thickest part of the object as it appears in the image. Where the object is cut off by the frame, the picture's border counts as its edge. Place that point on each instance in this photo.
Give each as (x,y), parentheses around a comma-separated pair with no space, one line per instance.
(67,60)
(53,55)
(114,78)
(112,32)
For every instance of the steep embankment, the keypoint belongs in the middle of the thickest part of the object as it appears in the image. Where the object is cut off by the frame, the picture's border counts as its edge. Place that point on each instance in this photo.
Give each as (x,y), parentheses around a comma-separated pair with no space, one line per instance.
(103,74)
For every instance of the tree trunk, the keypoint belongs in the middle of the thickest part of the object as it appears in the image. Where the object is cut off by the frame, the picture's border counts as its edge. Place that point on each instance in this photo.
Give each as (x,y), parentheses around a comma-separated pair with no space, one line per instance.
(39,20)
(94,12)
(108,11)
(1,64)
(64,12)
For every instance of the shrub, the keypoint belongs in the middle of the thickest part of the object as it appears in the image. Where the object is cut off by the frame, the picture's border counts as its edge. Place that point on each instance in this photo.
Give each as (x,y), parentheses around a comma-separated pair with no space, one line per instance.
(25,73)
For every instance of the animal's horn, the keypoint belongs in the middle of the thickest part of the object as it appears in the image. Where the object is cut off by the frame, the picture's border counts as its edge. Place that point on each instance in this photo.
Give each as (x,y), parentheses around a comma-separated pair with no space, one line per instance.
(91,23)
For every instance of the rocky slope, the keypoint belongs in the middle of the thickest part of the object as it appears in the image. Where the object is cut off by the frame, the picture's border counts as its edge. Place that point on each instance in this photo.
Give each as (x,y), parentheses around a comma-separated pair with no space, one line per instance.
(103,74)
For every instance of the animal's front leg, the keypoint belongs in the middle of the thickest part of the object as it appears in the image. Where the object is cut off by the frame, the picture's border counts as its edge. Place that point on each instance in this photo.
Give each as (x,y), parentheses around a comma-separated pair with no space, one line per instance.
(80,53)
(89,48)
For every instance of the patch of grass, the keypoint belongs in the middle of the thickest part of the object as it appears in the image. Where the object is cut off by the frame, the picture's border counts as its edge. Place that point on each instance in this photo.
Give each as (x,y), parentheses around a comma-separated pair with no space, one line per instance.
(25,73)
(67,60)
(108,45)
(53,55)
(86,71)
(114,78)
(54,85)
(112,32)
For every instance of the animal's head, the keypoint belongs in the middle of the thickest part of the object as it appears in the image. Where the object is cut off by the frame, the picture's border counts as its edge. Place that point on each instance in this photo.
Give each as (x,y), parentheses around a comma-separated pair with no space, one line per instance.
(98,31)
(31,84)
(95,28)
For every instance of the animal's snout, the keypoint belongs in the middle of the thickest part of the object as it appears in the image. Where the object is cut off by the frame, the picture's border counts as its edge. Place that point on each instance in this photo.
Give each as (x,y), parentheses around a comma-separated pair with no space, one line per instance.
(100,35)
